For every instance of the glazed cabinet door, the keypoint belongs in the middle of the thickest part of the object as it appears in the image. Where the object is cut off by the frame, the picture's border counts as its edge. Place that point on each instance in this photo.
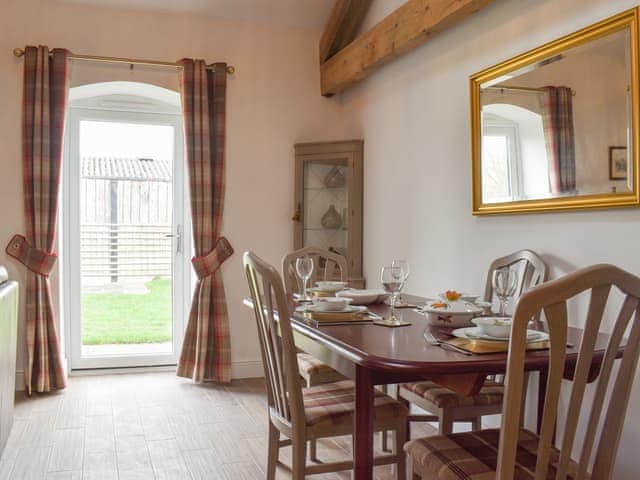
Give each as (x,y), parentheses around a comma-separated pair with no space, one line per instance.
(328,200)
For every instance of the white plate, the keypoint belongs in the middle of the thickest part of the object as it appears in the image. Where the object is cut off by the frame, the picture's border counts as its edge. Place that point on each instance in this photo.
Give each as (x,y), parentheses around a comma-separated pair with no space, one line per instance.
(315,309)
(362,297)
(330,286)
(473,333)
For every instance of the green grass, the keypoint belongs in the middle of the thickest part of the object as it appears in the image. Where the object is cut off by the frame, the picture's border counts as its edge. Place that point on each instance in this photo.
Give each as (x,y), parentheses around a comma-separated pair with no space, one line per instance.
(128,318)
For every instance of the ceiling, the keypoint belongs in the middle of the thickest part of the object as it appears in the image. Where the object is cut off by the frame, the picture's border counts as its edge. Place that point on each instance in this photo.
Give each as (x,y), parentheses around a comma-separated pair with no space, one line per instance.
(292,13)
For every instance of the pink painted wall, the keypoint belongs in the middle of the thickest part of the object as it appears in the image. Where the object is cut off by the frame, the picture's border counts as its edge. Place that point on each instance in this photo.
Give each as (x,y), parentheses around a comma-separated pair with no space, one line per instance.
(273,102)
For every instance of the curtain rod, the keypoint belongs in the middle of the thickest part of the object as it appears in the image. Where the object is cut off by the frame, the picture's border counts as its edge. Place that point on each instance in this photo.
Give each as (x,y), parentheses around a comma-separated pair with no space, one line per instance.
(524,89)
(19,52)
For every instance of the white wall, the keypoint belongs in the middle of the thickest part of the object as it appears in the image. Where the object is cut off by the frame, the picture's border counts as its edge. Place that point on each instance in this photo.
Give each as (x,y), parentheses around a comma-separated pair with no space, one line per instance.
(273,102)
(414,117)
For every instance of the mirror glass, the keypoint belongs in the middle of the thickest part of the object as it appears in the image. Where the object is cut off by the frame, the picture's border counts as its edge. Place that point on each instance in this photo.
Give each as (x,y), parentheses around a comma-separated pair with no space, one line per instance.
(561,126)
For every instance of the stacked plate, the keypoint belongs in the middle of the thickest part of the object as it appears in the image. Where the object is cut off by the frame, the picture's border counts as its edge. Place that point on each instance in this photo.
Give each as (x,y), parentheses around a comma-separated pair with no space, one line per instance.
(475,333)
(495,329)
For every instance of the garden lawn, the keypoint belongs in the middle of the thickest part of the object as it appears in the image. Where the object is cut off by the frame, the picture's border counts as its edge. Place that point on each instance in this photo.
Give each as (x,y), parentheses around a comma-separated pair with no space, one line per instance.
(128,318)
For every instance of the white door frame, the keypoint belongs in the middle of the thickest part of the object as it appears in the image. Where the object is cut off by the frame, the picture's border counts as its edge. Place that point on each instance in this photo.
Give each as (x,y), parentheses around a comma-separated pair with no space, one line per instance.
(181,275)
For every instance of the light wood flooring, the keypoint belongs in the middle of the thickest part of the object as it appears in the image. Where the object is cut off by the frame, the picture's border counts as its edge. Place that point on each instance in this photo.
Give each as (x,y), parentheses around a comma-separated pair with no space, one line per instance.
(151,426)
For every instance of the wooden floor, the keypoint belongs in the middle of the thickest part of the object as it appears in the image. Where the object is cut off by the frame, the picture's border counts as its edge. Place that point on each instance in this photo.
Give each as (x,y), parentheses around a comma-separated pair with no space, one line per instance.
(150,426)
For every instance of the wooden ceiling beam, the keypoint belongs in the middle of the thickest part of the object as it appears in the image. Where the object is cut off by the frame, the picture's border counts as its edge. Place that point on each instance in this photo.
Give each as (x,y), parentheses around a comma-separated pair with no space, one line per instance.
(342,27)
(410,25)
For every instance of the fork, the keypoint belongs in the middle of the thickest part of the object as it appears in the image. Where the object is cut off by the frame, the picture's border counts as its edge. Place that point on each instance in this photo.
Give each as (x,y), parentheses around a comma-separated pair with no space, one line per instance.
(432,340)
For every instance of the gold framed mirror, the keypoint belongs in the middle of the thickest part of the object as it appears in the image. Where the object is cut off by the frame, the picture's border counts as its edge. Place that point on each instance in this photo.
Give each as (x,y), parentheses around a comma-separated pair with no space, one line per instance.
(556,128)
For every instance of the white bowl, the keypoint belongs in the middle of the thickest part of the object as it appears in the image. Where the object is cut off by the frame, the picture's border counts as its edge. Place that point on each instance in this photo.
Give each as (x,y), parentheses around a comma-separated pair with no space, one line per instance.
(331,304)
(363,297)
(330,286)
(494,326)
(451,314)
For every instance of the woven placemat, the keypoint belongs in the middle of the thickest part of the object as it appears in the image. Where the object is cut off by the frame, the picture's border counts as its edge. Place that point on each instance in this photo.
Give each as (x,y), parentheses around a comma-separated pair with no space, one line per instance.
(486,346)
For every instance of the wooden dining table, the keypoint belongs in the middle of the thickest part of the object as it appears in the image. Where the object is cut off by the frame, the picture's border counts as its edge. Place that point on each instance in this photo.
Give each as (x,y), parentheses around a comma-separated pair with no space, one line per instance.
(376,355)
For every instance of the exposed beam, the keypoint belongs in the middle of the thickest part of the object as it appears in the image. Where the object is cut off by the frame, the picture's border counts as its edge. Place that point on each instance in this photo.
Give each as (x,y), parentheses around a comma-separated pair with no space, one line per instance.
(342,27)
(407,27)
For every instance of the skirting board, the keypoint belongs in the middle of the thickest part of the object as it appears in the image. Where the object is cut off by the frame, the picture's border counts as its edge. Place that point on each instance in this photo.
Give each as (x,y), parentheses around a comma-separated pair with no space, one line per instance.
(20,381)
(250,369)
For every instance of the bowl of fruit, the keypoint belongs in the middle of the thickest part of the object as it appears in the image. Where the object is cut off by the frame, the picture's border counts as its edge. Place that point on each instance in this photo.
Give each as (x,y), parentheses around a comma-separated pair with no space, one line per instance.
(454,296)
(451,311)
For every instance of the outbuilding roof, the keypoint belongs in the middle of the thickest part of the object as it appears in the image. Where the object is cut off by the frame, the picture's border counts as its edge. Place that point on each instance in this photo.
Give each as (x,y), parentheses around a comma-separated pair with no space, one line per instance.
(119,168)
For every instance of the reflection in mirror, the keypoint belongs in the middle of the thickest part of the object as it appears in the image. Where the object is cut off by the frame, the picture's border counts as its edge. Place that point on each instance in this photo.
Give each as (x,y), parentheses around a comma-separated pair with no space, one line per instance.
(559,127)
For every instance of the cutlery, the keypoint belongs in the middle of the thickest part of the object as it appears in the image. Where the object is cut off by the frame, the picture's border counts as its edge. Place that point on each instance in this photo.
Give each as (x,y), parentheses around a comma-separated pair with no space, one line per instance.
(375,316)
(429,337)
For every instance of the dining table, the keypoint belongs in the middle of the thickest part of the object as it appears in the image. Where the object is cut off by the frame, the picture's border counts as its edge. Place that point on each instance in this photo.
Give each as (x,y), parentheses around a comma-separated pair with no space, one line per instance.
(373,355)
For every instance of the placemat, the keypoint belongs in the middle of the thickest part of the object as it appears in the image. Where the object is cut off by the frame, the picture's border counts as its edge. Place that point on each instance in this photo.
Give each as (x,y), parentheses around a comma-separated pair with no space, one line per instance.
(338,317)
(486,346)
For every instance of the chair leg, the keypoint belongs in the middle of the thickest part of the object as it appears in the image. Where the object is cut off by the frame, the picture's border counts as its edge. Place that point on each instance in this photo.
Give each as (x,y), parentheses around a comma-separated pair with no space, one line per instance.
(410,472)
(476,423)
(273,451)
(400,437)
(385,437)
(313,453)
(299,458)
(385,441)
(445,422)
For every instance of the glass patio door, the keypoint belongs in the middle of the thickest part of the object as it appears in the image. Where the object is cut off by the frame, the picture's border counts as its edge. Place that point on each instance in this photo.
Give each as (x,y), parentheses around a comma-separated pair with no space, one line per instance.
(124,238)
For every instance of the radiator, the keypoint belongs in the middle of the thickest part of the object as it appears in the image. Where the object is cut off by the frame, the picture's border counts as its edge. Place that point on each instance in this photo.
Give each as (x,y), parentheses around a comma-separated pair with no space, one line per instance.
(8,343)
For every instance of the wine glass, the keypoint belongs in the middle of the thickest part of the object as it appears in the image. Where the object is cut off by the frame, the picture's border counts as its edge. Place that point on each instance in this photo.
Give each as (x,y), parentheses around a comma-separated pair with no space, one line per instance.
(304,269)
(403,265)
(391,278)
(504,285)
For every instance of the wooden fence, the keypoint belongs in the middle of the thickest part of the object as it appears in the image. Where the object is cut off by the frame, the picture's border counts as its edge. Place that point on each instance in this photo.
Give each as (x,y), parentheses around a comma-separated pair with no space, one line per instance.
(124,229)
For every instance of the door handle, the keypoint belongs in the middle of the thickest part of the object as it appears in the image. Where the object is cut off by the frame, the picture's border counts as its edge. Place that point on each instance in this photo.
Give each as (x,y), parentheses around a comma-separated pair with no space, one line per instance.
(178,237)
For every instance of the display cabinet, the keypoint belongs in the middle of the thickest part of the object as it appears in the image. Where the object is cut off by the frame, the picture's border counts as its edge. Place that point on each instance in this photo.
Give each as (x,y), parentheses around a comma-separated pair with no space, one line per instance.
(328,200)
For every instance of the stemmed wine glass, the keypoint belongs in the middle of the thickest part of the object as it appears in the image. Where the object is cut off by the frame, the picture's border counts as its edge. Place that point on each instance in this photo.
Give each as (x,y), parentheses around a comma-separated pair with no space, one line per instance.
(304,269)
(504,285)
(403,265)
(392,281)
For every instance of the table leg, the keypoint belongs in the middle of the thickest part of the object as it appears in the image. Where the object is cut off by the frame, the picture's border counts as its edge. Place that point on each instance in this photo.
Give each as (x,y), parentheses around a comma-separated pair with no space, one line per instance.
(542,393)
(363,425)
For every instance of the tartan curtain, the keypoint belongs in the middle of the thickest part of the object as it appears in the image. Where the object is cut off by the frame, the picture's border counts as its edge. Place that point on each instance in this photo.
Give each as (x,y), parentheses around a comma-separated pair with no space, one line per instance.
(557,119)
(44,103)
(206,351)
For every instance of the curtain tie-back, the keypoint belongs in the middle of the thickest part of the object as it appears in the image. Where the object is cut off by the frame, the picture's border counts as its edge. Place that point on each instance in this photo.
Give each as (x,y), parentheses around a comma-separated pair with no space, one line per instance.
(36,260)
(209,263)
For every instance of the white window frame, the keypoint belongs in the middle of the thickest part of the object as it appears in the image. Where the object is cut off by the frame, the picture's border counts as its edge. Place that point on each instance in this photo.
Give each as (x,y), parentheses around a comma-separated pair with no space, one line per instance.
(495,126)
(148,112)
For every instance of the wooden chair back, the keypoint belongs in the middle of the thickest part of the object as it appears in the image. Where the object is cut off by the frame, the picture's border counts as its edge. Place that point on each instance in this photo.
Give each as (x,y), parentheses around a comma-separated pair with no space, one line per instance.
(277,346)
(326,266)
(595,455)
(531,270)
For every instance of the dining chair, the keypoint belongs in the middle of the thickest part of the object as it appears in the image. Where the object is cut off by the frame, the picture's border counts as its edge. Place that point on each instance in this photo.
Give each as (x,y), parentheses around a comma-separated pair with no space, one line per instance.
(513,452)
(446,406)
(306,414)
(326,266)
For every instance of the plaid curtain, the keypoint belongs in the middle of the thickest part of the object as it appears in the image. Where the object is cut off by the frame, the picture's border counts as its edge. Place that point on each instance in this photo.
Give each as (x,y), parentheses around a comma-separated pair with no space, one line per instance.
(44,102)
(206,351)
(557,118)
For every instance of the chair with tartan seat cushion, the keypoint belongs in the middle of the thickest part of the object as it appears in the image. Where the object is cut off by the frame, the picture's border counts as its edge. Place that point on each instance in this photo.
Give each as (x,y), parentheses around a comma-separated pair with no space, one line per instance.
(474,456)
(314,372)
(515,453)
(448,407)
(304,415)
(326,266)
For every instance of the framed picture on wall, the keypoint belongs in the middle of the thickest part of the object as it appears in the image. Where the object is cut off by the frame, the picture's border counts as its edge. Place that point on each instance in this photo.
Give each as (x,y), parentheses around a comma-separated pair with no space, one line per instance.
(618,162)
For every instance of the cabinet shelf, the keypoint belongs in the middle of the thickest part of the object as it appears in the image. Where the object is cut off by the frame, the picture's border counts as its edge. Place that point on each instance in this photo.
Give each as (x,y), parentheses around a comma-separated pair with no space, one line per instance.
(333,189)
(322,229)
